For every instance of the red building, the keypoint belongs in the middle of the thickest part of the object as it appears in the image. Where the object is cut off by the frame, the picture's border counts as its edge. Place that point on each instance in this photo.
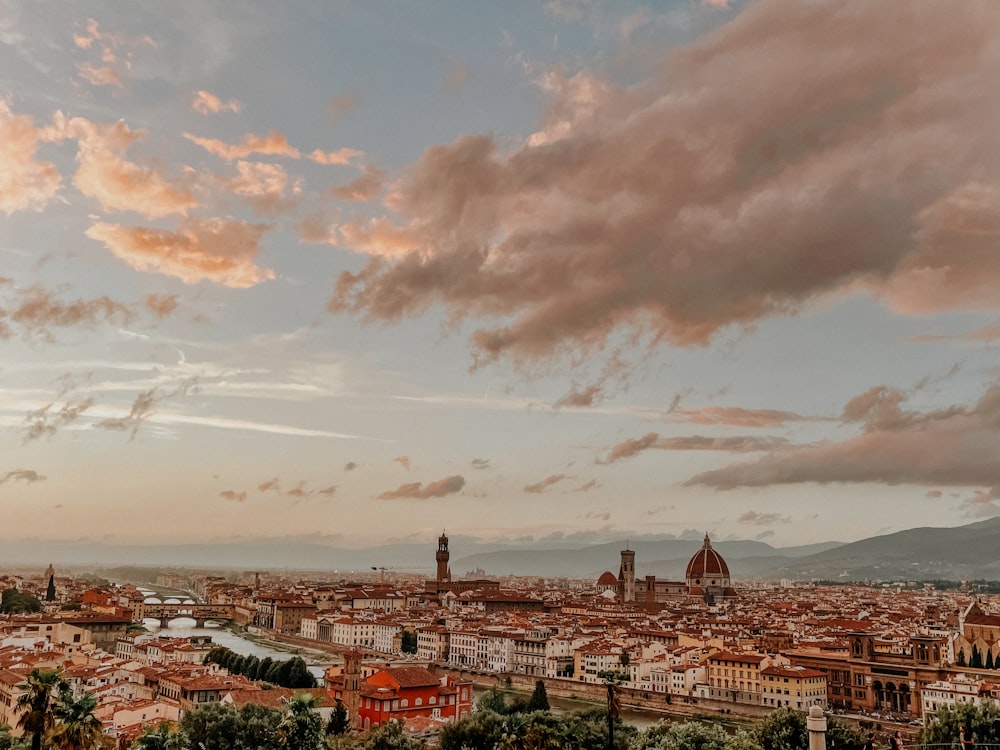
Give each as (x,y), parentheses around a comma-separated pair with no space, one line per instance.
(404,693)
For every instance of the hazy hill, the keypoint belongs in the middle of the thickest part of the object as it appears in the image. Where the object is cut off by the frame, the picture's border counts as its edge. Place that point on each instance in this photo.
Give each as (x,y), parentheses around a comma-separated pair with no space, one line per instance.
(971,551)
(963,552)
(664,558)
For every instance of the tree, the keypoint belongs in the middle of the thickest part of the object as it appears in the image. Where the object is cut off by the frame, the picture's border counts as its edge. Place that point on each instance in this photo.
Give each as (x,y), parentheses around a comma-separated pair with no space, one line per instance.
(263,668)
(687,735)
(976,662)
(9,741)
(539,700)
(390,736)
(211,726)
(982,722)
(785,729)
(37,703)
(301,727)
(492,700)
(258,728)
(482,729)
(14,602)
(960,659)
(160,737)
(408,642)
(77,728)
(989,659)
(339,721)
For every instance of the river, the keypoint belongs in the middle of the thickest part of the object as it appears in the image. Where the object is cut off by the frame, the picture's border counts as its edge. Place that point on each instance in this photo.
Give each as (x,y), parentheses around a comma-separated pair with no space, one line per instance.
(318,662)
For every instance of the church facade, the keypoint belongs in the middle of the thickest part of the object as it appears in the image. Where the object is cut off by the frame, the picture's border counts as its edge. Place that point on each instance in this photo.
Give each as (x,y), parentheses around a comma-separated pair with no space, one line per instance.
(706,578)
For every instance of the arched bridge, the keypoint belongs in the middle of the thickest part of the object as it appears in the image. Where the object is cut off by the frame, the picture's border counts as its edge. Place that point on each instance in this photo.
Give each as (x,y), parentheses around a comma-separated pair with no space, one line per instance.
(198,612)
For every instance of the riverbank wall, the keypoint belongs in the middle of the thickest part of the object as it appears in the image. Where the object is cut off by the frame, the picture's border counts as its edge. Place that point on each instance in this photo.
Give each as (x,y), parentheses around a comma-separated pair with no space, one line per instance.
(586,692)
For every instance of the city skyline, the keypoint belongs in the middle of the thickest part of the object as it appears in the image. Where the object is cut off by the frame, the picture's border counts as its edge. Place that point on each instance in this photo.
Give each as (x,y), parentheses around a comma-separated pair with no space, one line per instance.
(569,271)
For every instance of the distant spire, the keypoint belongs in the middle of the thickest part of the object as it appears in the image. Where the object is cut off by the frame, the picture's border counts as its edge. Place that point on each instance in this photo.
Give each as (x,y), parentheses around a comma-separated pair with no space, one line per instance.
(708,542)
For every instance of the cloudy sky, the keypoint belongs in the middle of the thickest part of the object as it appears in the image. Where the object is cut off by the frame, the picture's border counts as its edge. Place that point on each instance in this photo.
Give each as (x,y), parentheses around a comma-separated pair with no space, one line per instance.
(578,269)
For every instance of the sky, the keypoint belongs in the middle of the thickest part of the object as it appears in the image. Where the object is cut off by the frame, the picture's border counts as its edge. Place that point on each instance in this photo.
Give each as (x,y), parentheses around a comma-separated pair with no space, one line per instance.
(566,270)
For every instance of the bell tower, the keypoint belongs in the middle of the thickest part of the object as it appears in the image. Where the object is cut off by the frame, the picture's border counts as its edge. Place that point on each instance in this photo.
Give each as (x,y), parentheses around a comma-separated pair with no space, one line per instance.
(442,557)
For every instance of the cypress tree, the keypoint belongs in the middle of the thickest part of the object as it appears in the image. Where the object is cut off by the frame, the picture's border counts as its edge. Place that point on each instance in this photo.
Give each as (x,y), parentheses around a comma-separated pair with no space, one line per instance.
(976,662)
(251,667)
(264,667)
(539,700)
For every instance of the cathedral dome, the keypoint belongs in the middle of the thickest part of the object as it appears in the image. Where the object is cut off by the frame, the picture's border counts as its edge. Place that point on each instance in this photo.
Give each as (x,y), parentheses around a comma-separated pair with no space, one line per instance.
(706,563)
(607,579)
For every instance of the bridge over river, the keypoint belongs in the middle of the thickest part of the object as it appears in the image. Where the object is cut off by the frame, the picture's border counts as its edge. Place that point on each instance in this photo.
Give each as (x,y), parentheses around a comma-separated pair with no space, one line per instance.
(200,613)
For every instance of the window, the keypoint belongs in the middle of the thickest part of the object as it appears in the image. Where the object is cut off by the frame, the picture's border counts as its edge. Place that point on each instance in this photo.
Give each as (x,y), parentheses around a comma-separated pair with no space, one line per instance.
(418,702)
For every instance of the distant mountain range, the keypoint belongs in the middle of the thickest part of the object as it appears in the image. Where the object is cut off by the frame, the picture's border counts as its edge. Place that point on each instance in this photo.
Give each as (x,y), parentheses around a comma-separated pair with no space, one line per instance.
(963,552)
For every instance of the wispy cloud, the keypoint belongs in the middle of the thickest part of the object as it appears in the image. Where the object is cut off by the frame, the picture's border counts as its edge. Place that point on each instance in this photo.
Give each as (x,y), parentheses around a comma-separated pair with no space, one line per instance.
(143,406)
(112,54)
(762,519)
(207,103)
(417,490)
(28,476)
(35,311)
(652,440)
(545,484)
(45,422)
(272,144)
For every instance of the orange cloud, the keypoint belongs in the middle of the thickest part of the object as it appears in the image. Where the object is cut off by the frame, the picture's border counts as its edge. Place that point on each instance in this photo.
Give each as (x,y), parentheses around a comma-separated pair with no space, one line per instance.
(114,54)
(25,183)
(403,461)
(700,200)
(364,188)
(100,75)
(266,187)
(207,103)
(36,310)
(549,481)
(341,105)
(457,76)
(233,495)
(104,174)
(735,416)
(442,487)
(958,447)
(732,444)
(272,144)
(161,305)
(340,156)
(220,250)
